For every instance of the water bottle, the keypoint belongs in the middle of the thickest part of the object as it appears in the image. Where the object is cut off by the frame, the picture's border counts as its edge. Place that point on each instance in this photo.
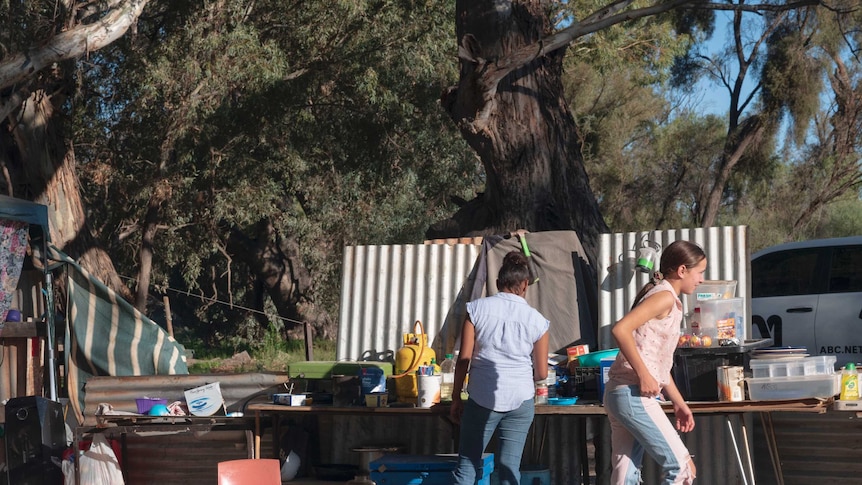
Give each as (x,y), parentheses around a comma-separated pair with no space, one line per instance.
(551,382)
(447,368)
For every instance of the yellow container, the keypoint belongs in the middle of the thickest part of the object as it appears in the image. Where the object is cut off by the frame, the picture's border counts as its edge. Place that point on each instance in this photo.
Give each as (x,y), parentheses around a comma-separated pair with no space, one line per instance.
(414,353)
(849,383)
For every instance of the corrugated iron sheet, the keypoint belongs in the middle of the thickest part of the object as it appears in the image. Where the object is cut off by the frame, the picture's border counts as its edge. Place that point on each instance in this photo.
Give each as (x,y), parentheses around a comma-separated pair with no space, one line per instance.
(121,392)
(818,448)
(182,457)
(727,256)
(385,289)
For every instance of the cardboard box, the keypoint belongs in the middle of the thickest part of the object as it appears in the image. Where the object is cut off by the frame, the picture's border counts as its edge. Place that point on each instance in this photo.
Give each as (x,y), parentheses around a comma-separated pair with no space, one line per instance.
(205,400)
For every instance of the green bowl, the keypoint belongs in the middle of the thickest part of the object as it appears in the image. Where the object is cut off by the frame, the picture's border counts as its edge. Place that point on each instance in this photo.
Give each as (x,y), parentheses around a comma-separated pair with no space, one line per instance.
(593,359)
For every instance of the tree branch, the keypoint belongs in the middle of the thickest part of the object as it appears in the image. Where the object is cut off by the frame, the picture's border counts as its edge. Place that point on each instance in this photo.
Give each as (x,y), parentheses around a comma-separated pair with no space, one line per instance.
(72,43)
(612,14)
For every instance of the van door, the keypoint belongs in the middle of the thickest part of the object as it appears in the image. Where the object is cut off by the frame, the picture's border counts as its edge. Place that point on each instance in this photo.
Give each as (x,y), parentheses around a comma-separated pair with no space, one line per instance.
(839,318)
(785,296)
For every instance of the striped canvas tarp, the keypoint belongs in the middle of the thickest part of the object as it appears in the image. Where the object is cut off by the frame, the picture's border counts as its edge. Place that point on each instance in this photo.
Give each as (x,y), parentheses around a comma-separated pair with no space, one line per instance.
(107,336)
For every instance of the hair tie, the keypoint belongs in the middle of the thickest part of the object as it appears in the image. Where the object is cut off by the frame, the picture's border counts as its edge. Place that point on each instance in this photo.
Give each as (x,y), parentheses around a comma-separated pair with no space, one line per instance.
(657,277)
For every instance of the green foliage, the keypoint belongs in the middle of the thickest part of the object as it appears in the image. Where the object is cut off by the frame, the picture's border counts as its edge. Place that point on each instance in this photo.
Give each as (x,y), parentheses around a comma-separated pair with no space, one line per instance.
(322,119)
(275,358)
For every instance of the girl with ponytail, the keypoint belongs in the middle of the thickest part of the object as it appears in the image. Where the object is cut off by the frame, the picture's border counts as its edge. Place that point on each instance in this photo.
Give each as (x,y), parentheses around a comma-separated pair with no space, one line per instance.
(647,337)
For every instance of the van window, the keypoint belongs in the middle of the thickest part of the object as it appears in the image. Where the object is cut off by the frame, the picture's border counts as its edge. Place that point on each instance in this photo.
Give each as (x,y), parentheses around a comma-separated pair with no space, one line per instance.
(785,273)
(844,272)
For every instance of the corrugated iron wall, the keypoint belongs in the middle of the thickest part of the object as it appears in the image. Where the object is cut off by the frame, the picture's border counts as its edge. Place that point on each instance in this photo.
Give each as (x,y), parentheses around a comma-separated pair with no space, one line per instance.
(182,457)
(385,289)
(812,448)
(727,256)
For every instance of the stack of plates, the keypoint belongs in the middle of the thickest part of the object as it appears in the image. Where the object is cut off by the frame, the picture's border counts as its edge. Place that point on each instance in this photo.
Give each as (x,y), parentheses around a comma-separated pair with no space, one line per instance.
(779,353)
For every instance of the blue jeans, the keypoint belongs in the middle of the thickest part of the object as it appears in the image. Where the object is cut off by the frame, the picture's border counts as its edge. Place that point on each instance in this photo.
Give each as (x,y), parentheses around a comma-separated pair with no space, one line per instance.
(638,425)
(477,427)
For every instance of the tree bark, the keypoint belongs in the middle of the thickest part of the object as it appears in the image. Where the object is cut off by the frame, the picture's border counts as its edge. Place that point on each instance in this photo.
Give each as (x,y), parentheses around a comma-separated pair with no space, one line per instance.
(520,126)
(44,165)
(41,157)
(73,43)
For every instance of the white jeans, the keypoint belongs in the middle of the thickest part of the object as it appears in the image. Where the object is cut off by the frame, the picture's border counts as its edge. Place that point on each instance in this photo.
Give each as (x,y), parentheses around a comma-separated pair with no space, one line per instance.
(638,425)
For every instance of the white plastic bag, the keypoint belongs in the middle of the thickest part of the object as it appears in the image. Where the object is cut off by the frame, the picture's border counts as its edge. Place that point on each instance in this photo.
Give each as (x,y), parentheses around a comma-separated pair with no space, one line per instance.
(99,464)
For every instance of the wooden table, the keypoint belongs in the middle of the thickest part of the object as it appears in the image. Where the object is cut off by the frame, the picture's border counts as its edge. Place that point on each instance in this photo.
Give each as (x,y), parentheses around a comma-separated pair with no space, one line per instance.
(745,462)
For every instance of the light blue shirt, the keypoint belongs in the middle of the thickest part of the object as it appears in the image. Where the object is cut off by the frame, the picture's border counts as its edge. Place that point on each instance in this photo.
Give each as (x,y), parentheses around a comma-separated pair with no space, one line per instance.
(501,370)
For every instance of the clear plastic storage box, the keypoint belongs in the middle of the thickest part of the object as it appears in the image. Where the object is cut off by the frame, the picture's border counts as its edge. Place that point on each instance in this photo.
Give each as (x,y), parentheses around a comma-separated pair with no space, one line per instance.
(798,387)
(723,319)
(806,366)
(710,290)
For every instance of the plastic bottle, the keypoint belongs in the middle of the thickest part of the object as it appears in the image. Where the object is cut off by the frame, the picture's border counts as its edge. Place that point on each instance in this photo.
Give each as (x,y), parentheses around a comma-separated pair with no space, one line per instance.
(849,383)
(447,367)
(541,392)
(551,382)
(695,322)
(436,367)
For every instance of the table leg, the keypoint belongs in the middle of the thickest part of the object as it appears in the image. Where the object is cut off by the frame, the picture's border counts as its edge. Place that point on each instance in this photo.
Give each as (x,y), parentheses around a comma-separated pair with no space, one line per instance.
(257,434)
(747,448)
(736,449)
(772,446)
(582,443)
(78,454)
(602,443)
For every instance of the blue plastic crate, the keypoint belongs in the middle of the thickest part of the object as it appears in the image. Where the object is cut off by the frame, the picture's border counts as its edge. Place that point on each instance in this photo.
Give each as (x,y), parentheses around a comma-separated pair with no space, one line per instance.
(398,469)
(420,478)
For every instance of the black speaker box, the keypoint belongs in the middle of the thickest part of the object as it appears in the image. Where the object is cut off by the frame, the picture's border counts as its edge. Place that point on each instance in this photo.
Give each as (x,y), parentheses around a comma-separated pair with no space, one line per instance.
(35,440)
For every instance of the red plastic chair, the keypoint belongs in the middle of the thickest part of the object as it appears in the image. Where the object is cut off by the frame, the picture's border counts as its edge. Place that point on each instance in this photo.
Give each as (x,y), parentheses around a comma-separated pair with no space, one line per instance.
(249,472)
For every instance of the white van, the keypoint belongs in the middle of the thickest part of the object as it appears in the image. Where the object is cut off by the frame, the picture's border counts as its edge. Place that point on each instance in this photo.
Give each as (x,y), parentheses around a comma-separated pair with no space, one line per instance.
(809,294)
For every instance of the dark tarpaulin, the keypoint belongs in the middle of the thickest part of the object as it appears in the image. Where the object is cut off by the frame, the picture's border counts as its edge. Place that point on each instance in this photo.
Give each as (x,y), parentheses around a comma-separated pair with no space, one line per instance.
(565,294)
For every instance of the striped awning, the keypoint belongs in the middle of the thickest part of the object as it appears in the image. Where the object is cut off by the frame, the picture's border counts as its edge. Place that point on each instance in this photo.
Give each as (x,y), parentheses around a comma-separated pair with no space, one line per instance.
(107,336)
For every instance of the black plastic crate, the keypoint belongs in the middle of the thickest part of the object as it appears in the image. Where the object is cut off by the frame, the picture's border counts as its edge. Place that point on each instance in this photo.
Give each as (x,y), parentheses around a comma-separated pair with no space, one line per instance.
(696,372)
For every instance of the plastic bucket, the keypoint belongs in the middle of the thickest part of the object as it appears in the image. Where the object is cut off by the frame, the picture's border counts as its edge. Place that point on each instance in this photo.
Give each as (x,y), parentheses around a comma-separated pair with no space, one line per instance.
(429,390)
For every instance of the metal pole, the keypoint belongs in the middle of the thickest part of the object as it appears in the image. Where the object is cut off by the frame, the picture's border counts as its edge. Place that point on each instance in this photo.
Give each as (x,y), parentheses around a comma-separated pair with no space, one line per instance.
(49,321)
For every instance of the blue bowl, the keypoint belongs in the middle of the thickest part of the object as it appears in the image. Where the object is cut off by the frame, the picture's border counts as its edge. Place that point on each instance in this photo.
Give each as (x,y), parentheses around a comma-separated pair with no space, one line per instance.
(594,359)
(562,401)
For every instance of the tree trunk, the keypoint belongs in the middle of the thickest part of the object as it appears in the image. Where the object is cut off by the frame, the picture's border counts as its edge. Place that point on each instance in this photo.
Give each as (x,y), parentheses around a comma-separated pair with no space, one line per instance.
(145,255)
(44,163)
(520,126)
(282,276)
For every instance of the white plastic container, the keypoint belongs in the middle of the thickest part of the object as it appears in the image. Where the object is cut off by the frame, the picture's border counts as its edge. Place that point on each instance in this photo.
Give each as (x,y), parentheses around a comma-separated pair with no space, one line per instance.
(799,387)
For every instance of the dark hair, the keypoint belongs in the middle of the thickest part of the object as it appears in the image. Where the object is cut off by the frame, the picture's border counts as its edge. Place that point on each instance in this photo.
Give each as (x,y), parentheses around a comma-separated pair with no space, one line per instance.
(678,253)
(513,271)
